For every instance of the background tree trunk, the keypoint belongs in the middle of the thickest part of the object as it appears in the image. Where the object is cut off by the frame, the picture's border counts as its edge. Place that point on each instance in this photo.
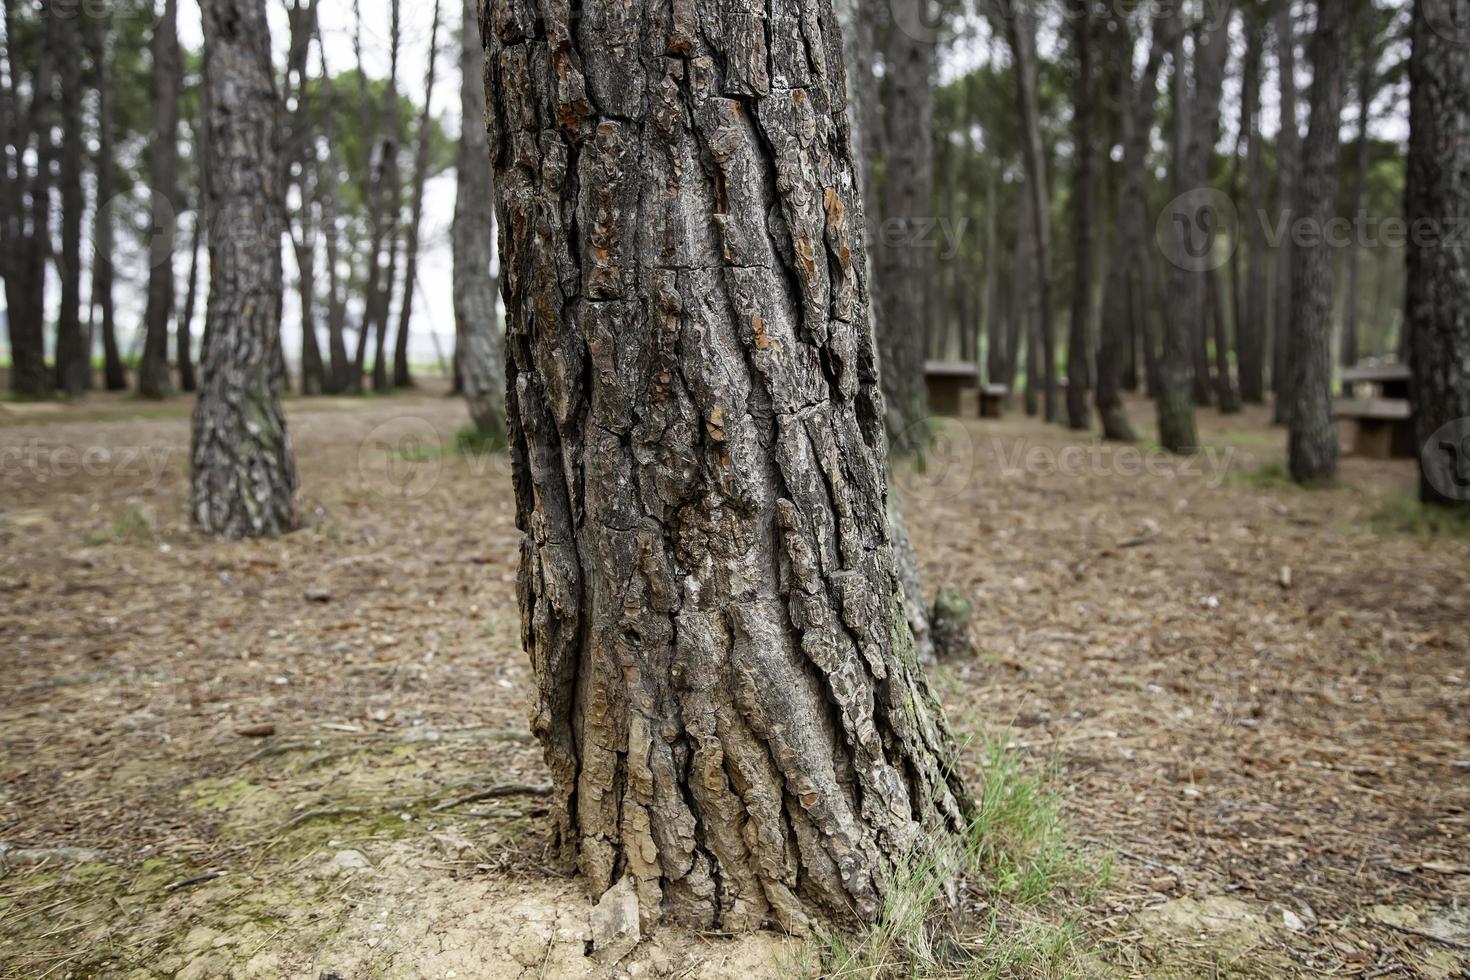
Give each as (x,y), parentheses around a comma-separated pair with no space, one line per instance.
(903,272)
(327,179)
(1312,443)
(183,334)
(1079,349)
(1020,29)
(301,160)
(1348,349)
(393,182)
(729,699)
(27,214)
(402,376)
(1437,302)
(97,31)
(481,361)
(243,474)
(163,190)
(1288,152)
(73,360)
(1251,323)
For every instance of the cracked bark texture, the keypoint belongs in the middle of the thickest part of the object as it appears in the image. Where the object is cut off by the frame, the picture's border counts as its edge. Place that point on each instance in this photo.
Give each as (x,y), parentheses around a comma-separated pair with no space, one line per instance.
(1437,191)
(243,474)
(729,699)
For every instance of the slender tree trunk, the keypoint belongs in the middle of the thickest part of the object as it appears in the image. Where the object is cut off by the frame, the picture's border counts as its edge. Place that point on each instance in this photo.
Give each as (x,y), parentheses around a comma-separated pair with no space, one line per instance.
(326,189)
(1437,300)
(996,356)
(904,275)
(1312,444)
(27,213)
(1251,324)
(301,157)
(393,181)
(1020,29)
(243,474)
(1288,153)
(1078,347)
(73,361)
(373,191)
(729,701)
(1174,399)
(1218,288)
(97,31)
(163,189)
(402,377)
(1366,77)
(183,331)
(481,361)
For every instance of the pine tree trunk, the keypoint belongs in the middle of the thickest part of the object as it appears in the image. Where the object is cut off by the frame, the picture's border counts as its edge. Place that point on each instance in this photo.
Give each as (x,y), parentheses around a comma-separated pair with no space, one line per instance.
(163,189)
(1020,28)
(729,700)
(481,360)
(326,183)
(905,317)
(73,361)
(1078,348)
(1312,442)
(1251,333)
(97,30)
(402,376)
(393,181)
(243,474)
(1437,300)
(1349,345)
(1175,397)
(1288,153)
(27,210)
(183,331)
(301,161)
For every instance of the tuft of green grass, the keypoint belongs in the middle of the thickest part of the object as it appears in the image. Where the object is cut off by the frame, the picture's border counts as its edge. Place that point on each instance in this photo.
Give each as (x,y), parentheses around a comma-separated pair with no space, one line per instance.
(1016,855)
(132,527)
(1407,514)
(472,441)
(1267,476)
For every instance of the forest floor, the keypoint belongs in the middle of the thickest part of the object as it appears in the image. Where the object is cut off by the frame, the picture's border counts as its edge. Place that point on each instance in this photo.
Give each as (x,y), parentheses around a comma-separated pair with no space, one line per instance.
(253,759)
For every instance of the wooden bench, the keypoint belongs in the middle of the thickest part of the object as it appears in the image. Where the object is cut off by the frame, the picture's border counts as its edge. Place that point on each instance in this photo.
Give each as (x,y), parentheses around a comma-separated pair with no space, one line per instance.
(993,400)
(1382,428)
(951,384)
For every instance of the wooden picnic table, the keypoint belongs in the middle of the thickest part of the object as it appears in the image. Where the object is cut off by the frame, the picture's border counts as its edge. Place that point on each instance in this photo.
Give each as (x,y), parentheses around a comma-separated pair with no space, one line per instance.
(1379,410)
(951,384)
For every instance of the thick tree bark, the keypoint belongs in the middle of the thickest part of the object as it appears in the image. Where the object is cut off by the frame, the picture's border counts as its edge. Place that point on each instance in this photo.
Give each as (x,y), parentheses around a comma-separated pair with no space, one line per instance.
(1078,347)
(903,274)
(1437,195)
(73,360)
(729,699)
(1312,442)
(480,364)
(163,189)
(1251,323)
(1020,30)
(243,474)
(402,376)
(114,377)
(1288,155)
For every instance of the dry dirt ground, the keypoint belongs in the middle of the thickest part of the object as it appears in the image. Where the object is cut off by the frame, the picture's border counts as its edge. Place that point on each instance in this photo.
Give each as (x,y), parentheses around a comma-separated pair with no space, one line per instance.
(254,759)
